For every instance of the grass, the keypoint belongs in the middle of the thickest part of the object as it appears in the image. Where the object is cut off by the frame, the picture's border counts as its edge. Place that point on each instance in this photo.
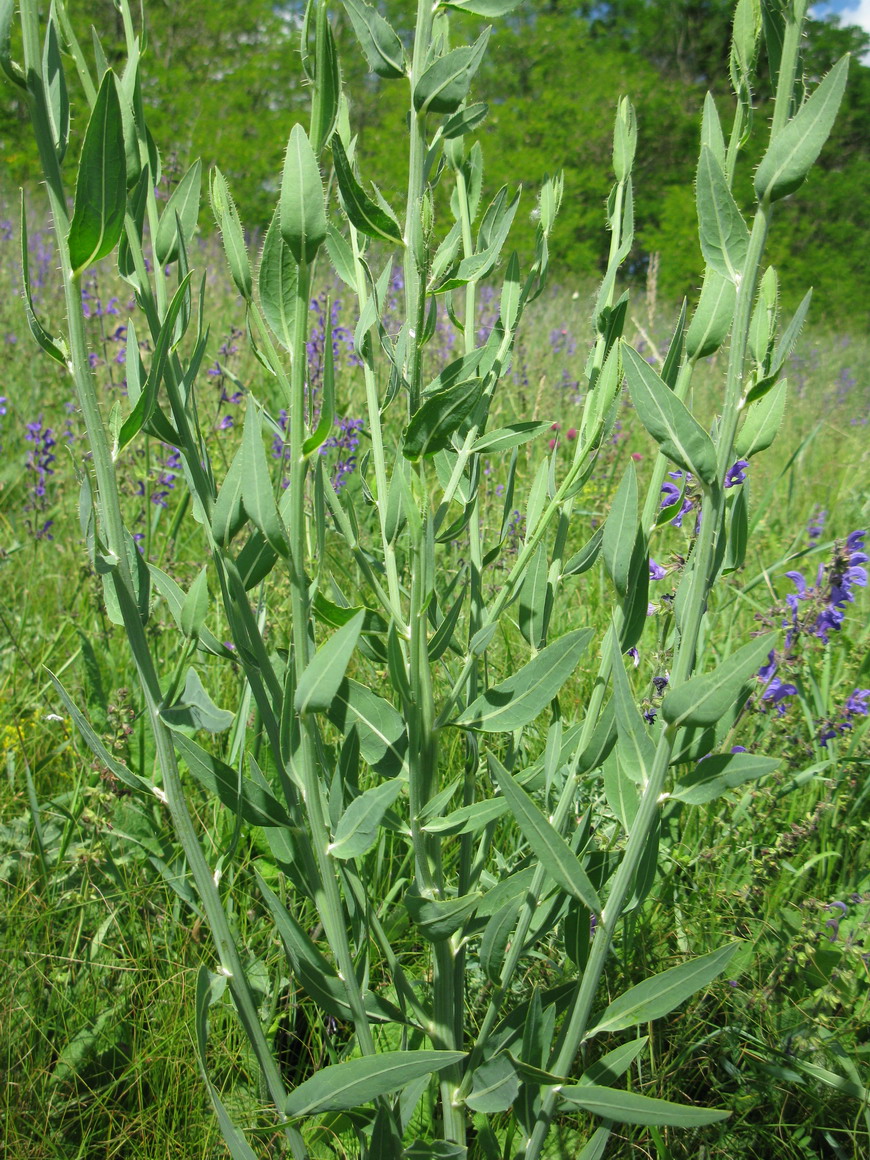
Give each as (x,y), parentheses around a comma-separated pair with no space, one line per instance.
(101,934)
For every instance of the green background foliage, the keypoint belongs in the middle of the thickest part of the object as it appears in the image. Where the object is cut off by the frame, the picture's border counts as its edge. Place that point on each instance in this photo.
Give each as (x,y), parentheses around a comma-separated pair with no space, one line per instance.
(222,84)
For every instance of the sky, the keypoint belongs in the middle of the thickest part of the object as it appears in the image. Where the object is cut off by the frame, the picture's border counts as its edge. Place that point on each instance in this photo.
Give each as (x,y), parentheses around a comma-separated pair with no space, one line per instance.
(849,11)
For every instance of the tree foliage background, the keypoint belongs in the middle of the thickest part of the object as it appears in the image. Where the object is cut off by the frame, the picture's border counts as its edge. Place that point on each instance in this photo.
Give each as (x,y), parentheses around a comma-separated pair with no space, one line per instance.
(223,83)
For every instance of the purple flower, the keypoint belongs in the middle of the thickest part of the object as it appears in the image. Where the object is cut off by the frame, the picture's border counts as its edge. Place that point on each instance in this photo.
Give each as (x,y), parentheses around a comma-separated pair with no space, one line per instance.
(660,683)
(656,571)
(816,524)
(736,473)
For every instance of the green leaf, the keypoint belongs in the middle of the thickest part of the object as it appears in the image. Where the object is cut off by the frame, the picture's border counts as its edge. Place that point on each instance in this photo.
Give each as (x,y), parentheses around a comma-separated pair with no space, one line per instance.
(195,709)
(535,599)
(195,606)
(302,206)
(464,121)
(363,213)
(209,988)
(762,422)
(277,280)
(793,151)
(174,596)
(101,183)
(241,795)
(382,737)
(56,96)
(488,8)
(146,402)
(258,495)
(444,85)
(360,1081)
(227,218)
(55,347)
(624,139)
(629,1108)
(438,919)
(678,433)
(608,1069)
(514,435)
(183,208)
(12,70)
(713,316)
(341,256)
(494,1085)
(323,674)
(659,995)
(229,515)
(327,83)
(358,826)
(715,775)
(95,744)
(518,700)
(636,751)
(380,45)
(620,529)
(314,972)
(583,560)
(723,232)
(703,700)
(468,819)
(440,415)
(554,853)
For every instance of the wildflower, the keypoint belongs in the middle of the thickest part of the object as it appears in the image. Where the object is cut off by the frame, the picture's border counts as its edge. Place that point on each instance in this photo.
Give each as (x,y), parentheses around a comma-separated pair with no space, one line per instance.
(736,473)
(816,523)
(656,571)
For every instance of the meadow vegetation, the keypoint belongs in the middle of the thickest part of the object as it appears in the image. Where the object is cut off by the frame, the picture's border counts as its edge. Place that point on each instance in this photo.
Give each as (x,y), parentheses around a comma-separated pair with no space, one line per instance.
(296,594)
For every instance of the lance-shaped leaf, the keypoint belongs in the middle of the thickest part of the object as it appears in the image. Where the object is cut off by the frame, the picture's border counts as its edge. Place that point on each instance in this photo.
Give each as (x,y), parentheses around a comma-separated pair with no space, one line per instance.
(209,988)
(795,148)
(96,745)
(583,560)
(723,233)
(382,737)
(703,700)
(519,699)
(625,1107)
(713,316)
(439,919)
(535,600)
(56,96)
(762,422)
(55,347)
(12,70)
(363,213)
(620,528)
(381,47)
(636,750)
(488,8)
(715,775)
(432,425)
(258,496)
(277,280)
(315,973)
(514,435)
(251,801)
(101,183)
(614,1064)
(302,205)
(146,401)
(358,826)
(669,421)
(325,671)
(444,85)
(494,1085)
(195,709)
(360,1081)
(183,208)
(554,853)
(227,218)
(659,995)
